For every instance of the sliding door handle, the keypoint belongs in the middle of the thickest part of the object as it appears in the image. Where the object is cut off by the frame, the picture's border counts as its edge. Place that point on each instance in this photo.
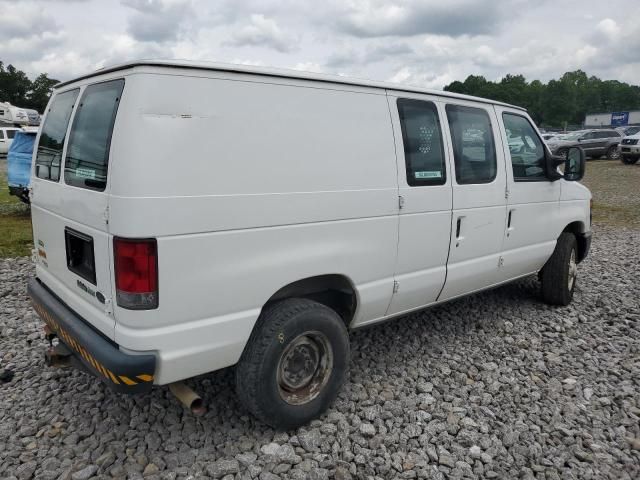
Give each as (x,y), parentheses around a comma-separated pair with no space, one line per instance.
(458,224)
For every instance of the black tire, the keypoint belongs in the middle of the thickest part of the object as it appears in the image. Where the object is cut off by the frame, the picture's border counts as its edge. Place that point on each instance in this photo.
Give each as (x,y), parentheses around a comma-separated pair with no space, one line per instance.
(275,338)
(613,153)
(629,160)
(556,287)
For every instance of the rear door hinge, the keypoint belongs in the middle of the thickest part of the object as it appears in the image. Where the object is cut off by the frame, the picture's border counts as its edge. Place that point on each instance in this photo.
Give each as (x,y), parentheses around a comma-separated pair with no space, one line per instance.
(105,215)
(506,192)
(108,306)
(400,202)
(500,262)
(396,286)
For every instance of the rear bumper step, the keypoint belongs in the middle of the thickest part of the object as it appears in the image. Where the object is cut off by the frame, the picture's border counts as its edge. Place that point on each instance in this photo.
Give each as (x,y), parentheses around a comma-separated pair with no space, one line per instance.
(122,372)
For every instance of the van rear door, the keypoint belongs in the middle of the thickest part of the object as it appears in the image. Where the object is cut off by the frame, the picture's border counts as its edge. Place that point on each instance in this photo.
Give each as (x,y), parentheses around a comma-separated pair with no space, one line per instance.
(70,200)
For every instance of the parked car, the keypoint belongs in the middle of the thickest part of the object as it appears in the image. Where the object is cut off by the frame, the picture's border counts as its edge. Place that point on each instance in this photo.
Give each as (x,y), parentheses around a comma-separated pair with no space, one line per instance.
(13,115)
(6,137)
(294,208)
(19,162)
(630,149)
(631,131)
(548,136)
(595,143)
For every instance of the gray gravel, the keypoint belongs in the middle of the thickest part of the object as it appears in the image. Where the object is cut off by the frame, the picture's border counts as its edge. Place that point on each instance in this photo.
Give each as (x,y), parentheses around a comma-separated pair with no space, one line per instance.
(497,385)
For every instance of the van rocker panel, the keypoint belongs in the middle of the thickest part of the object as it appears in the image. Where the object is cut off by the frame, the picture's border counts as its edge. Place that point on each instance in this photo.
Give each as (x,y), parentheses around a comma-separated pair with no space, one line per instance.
(122,372)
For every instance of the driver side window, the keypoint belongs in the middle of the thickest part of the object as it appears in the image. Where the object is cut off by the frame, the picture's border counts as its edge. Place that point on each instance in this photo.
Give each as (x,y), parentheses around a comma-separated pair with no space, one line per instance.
(525,148)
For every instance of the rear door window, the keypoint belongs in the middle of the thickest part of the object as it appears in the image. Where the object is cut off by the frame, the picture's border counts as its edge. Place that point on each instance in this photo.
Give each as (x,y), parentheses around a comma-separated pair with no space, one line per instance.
(87,156)
(473,147)
(54,131)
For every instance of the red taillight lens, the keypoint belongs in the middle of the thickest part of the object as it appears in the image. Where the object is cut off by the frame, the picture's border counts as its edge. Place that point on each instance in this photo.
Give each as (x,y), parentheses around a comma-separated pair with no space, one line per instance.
(136,269)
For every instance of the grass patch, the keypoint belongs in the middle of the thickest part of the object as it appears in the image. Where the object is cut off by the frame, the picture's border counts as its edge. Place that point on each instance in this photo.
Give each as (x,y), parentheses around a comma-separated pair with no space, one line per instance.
(616,199)
(15,221)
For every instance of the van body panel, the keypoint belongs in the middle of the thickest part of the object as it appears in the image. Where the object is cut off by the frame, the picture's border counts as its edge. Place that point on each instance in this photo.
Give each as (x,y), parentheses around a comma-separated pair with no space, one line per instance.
(424,226)
(477,221)
(531,207)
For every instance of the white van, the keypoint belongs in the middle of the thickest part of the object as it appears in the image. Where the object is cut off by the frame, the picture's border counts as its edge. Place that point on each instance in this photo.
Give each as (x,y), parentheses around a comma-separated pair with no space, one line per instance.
(189,217)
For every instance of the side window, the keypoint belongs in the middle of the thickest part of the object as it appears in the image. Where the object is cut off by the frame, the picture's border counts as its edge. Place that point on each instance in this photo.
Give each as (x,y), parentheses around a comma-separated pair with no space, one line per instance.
(527,153)
(588,136)
(54,130)
(90,138)
(11,133)
(1,134)
(473,147)
(422,138)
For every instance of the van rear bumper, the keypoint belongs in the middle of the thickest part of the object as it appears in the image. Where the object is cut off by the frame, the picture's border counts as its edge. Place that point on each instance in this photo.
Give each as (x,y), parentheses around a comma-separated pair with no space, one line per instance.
(122,372)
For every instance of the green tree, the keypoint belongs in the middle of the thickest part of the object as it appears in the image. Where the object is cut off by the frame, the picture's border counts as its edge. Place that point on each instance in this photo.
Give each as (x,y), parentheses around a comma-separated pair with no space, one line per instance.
(40,92)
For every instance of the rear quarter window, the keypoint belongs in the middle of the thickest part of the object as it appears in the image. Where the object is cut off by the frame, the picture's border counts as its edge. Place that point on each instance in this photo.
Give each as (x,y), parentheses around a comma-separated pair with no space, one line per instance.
(87,156)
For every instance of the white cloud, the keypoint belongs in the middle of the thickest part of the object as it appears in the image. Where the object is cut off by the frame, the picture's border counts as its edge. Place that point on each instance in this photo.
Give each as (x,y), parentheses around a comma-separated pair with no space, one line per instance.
(262,32)
(424,42)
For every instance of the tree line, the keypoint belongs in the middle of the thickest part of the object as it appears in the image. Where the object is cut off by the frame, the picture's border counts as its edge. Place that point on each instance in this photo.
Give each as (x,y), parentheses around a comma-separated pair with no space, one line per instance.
(557,103)
(17,89)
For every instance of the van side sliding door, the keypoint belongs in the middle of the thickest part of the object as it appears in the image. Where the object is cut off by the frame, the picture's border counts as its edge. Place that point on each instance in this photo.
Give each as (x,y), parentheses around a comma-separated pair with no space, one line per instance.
(479,203)
(424,204)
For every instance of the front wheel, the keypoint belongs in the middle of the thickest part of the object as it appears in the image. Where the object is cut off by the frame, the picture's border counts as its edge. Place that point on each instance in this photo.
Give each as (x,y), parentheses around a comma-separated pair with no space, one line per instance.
(560,273)
(294,363)
(613,153)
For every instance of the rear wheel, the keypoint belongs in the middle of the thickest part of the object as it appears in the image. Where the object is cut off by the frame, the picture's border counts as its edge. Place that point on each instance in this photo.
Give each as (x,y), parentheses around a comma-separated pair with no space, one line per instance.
(560,273)
(613,153)
(629,160)
(294,363)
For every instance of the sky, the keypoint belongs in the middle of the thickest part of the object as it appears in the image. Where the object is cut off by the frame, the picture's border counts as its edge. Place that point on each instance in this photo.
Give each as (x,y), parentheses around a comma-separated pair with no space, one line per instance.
(428,43)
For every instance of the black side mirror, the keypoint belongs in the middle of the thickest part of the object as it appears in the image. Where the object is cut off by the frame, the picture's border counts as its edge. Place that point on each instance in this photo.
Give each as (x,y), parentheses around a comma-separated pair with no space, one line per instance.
(574,164)
(552,163)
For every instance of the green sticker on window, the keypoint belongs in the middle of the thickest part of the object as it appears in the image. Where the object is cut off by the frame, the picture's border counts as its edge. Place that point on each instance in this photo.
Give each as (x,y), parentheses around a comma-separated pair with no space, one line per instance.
(428,174)
(86,173)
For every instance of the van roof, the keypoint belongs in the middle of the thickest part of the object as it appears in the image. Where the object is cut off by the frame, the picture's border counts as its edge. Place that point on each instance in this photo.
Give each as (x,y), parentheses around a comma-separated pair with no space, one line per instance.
(279,72)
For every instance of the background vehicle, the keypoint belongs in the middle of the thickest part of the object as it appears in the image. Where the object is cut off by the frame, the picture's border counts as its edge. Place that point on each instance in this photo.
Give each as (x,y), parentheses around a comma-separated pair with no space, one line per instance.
(630,149)
(595,143)
(33,116)
(295,207)
(19,162)
(13,115)
(6,137)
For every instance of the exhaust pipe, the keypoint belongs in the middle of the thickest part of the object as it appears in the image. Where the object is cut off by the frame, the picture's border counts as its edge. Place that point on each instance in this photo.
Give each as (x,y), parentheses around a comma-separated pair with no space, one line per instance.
(188,398)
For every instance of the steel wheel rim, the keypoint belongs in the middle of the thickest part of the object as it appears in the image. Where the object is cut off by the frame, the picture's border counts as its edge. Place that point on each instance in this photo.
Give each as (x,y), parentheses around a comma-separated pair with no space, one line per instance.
(615,154)
(304,368)
(573,269)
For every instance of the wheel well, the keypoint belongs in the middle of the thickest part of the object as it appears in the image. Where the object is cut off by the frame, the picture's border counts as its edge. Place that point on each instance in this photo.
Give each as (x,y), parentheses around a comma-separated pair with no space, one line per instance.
(333,290)
(577,228)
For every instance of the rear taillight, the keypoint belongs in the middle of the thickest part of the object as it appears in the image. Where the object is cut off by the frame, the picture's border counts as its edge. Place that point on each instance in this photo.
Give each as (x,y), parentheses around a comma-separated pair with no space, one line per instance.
(136,269)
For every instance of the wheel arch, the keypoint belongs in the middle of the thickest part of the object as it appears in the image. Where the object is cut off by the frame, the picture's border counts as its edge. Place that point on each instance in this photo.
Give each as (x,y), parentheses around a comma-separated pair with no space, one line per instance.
(334,290)
(578,229)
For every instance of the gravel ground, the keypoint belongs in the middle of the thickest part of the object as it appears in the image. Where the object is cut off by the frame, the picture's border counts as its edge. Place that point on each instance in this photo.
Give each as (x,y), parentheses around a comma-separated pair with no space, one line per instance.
(496,385)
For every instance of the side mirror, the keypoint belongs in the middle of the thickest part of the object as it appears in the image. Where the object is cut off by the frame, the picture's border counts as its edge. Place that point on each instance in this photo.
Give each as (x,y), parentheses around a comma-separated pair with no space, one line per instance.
(574,164)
